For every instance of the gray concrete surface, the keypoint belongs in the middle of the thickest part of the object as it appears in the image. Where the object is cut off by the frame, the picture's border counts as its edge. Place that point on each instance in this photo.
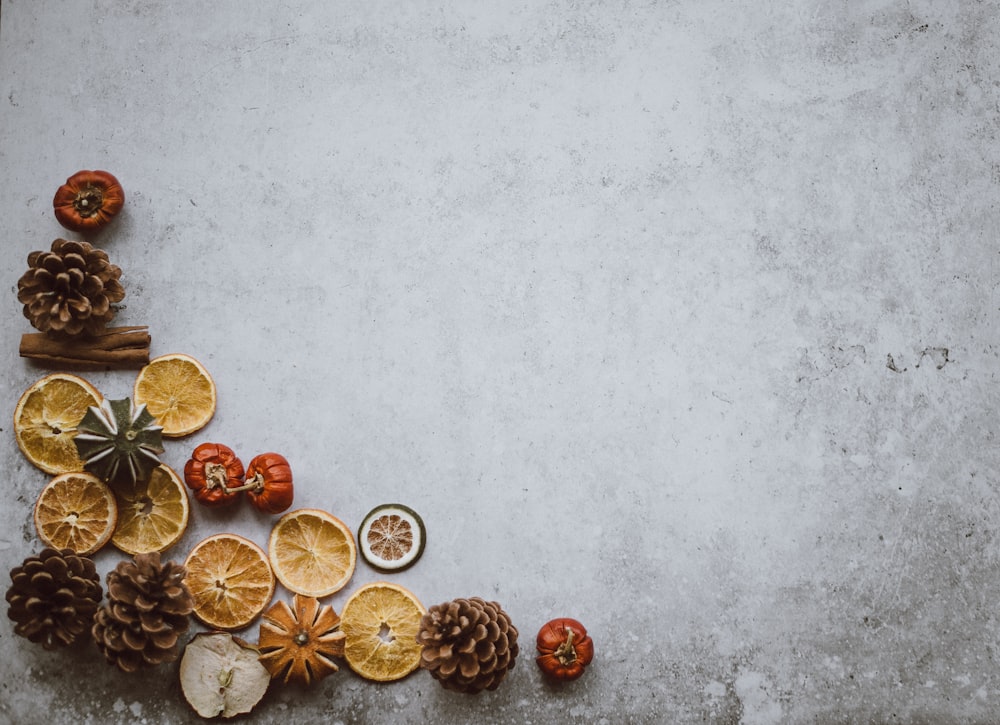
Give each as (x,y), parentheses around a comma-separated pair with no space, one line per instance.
(679,318)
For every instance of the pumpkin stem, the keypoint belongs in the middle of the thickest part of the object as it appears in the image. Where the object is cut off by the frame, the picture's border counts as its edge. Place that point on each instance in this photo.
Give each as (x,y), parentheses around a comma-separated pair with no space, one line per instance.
(253,484)
(216,477)
(88,201)
(566,652)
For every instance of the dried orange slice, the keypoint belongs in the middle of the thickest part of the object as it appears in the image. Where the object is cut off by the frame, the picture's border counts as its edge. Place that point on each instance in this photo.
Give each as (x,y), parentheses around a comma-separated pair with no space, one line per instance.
(230,580)
(46,417)
(178,391)
(312,552)
(76,511)
(152,514)
(380,621)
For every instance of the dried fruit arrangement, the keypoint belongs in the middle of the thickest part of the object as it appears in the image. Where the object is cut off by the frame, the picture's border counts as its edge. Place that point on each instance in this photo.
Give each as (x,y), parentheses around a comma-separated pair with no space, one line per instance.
(109,485)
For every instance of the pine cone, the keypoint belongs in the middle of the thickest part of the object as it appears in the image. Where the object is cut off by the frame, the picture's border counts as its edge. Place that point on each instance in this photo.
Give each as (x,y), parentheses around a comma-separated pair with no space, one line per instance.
(53,597)
(147,611)
(69,290)
(468,644)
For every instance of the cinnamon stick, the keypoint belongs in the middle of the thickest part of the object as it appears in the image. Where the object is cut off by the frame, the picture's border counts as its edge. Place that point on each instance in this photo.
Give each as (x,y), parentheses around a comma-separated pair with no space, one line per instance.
(115,347)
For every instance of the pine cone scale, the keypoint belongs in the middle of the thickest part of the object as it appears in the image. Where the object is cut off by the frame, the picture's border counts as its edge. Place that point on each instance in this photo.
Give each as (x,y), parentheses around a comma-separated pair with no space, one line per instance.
(133,640)
(165,641)
(154,623)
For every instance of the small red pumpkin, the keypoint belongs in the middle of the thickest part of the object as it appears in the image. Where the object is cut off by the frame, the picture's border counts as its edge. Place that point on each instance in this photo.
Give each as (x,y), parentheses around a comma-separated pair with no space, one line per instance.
(211,472)
(88,201)
(269,483)
(564,649)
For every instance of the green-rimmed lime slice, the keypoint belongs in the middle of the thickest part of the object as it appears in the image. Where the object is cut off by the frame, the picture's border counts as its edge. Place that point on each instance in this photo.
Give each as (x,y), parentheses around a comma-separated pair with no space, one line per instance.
(392,537)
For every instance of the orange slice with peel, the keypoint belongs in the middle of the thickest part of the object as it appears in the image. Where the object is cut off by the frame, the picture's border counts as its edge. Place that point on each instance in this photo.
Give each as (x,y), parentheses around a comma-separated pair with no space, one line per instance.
(76,511)
(230,579)
(152,514)
(380,622)
(46,417)
(312,552)
(178,391)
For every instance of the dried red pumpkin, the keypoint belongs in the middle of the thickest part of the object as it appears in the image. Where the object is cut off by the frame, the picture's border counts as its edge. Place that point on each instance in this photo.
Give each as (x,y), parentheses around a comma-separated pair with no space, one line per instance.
(212,473)
(88,201)
(269,483)
(564,649)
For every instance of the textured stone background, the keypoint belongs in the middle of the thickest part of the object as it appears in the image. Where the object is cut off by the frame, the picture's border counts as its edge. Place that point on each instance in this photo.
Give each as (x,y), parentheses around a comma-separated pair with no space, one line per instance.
(679,318)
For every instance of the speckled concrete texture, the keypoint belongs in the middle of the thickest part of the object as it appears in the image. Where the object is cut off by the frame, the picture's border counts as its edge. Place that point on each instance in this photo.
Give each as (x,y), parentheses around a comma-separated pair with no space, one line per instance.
(679,318)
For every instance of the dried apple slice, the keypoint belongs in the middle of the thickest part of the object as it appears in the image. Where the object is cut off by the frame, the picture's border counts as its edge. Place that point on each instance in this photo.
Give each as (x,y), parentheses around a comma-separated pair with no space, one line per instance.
(220,675)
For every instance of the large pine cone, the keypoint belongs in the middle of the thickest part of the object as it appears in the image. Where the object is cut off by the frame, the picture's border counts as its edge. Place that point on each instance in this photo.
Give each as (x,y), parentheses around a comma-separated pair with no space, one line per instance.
(147,611)
(53,597)
(468,644)
(69,290)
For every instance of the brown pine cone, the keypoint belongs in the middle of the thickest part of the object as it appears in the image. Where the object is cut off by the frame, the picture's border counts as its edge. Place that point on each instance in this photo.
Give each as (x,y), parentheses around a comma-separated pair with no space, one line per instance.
(147,611)
(468,644)
(53,597)
(69,290)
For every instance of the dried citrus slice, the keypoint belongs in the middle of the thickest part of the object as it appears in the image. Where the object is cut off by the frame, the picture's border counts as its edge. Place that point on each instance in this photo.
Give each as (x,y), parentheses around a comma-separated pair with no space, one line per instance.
(46,417)
(230,580)
(312,552)
(152,514)
(76,511)
(380,621)
(178,391)
(391,537)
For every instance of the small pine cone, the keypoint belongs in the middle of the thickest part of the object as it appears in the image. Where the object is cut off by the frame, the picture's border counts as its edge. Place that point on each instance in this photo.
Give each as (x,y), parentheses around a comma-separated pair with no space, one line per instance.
(147,611)
(468,644)
(69,290)
(53,597)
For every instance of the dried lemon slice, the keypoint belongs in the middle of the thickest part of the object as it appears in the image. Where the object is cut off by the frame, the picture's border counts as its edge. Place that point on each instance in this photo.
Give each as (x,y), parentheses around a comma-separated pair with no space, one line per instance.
(76,511)
(312,552)
(46,417)
(380,621)
(152,514)
(230,580)
(178,391)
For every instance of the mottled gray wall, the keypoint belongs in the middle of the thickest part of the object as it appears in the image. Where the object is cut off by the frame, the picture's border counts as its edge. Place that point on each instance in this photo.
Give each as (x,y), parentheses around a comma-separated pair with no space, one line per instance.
(679,318)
